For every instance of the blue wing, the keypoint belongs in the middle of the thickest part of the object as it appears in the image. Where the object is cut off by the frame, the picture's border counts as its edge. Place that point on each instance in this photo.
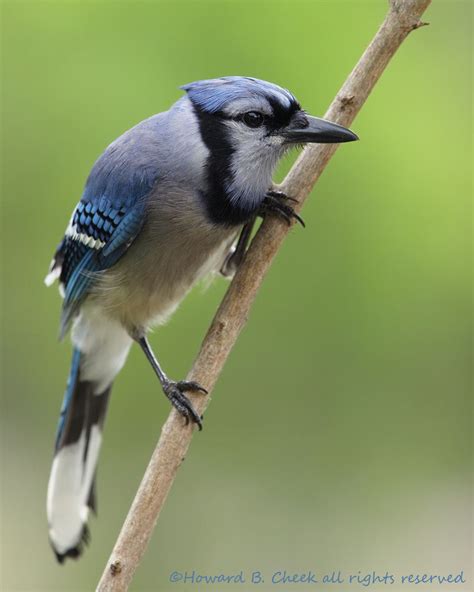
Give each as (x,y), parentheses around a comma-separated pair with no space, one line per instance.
(96,239)
(104,224)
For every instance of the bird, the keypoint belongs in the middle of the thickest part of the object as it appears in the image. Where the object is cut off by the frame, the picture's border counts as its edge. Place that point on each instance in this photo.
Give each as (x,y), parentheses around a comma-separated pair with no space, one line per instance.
(172,200)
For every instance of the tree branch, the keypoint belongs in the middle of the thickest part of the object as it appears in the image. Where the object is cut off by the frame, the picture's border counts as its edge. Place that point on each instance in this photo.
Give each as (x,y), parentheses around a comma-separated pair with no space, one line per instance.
(402,18)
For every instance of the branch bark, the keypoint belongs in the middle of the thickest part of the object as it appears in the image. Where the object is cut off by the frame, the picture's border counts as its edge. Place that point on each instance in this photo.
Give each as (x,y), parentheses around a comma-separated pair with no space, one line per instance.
(402,18)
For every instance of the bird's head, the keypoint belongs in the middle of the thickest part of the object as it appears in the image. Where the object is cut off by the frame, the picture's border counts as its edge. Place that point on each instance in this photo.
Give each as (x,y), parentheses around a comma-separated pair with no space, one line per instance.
(260,114)
(247,125)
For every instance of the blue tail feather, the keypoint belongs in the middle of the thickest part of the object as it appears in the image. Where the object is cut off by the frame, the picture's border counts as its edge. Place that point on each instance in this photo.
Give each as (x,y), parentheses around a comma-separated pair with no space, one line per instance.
(71,385)
(71,490)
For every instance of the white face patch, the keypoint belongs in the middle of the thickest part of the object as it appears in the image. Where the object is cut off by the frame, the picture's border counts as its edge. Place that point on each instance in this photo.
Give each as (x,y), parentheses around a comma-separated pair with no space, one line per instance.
(256,150)
(253,161)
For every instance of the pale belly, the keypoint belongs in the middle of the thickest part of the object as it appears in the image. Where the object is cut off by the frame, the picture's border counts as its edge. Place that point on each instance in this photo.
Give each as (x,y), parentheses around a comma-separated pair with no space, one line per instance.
(145,287)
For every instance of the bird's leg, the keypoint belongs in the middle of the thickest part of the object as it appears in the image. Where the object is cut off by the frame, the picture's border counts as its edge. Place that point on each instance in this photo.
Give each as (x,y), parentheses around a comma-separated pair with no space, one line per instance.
(234,258)
(174,390)
(276,202)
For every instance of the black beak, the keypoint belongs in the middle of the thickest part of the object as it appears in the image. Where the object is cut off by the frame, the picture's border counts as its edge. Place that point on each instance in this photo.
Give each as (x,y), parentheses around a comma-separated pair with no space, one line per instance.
(308,129)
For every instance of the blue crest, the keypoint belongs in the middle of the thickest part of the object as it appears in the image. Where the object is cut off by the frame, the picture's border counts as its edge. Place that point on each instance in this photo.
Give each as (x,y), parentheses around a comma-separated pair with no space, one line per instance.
(214,94)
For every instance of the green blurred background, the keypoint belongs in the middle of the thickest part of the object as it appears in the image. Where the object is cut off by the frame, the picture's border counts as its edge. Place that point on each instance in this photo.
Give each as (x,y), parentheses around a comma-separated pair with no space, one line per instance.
(339,434)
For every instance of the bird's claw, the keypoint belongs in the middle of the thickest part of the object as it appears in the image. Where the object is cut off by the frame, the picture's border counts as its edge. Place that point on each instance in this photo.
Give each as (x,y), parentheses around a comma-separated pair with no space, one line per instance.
(175,393)
(281,195)
(191,385)
(276,202)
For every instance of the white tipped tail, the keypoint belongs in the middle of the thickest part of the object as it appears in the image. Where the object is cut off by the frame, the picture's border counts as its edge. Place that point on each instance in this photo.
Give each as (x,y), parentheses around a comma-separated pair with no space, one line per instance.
(101,350)
(69,489)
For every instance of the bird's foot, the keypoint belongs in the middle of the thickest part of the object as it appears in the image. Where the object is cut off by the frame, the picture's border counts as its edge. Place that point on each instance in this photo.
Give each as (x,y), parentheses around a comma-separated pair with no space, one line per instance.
(276,202)
(175,393)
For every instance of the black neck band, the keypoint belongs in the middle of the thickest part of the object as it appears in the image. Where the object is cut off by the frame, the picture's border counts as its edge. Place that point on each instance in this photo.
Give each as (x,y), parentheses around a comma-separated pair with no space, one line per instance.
(220,208)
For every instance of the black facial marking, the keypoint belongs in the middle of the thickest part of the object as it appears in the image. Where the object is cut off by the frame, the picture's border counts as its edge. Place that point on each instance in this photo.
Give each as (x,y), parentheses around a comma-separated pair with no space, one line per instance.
(281,114)
(299,120)
(280,118)
(220,209)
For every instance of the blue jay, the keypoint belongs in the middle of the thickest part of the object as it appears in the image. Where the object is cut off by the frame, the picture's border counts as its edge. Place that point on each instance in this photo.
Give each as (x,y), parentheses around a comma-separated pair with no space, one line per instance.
(163,207)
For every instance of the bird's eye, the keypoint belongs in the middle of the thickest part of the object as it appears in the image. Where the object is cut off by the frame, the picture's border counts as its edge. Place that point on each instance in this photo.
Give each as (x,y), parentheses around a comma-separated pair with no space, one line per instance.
(253,119)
